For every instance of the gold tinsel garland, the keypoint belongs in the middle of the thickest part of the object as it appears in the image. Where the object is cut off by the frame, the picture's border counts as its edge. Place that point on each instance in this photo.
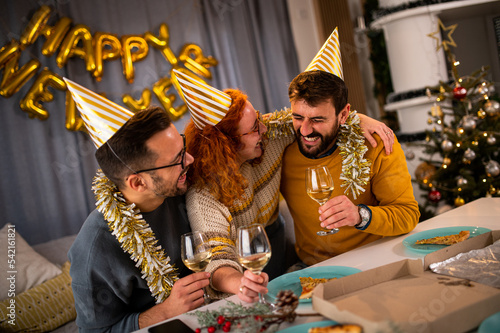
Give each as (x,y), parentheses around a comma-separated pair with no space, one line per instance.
(355,168)
(135,236)
(279,124)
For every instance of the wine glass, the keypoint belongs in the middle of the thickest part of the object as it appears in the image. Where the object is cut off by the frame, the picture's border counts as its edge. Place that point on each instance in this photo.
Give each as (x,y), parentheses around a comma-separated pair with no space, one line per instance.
(196,253)
(254,250)
(319,186)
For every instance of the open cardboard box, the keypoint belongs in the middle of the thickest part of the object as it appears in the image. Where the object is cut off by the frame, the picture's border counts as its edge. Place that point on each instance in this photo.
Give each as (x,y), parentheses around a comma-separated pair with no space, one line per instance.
(406,296)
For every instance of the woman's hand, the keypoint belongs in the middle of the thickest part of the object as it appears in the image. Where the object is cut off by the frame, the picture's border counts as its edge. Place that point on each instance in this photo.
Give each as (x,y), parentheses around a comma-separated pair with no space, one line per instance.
(251,285)
(370,126)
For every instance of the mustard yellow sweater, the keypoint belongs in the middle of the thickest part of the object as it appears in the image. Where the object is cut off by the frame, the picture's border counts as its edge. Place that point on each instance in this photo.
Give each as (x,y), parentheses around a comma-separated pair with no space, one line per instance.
(389,195)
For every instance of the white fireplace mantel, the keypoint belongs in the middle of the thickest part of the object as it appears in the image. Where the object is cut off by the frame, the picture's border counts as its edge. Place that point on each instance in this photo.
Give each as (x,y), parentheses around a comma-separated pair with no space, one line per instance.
(414,61)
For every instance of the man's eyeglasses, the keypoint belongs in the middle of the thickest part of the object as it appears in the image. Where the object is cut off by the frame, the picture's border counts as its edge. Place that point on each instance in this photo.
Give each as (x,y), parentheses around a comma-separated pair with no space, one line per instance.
(183,156)
(256,126)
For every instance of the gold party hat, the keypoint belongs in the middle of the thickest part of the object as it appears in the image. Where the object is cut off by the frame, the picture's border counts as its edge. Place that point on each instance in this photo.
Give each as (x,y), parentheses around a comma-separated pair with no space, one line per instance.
(328,58)
(206,104)
(101,117)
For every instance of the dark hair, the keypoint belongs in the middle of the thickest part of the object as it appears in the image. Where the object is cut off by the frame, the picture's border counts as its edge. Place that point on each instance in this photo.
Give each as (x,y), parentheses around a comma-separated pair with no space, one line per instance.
(129,143)
(315,87)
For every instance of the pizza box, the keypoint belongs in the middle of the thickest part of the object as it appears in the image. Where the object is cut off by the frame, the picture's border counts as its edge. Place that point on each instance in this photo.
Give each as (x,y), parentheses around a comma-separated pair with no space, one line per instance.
(405,296)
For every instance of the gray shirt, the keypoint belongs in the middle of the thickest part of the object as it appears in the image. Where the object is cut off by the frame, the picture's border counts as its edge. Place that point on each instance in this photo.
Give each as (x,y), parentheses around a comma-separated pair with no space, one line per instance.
(108,289)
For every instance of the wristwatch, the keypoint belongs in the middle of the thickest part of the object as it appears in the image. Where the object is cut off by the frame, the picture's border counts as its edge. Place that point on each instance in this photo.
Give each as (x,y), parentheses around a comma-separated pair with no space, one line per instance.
(365,214)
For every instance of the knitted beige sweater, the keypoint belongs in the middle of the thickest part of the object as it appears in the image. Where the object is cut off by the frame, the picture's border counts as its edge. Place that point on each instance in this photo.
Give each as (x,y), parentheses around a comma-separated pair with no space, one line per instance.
(260,203)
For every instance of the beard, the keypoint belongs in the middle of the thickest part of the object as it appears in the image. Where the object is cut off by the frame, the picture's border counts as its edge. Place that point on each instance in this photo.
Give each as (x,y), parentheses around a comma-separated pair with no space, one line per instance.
(325,142)
(164,189)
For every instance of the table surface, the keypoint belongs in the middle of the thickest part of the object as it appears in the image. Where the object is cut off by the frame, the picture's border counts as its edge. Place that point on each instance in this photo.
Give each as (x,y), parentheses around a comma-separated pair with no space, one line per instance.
(484,212)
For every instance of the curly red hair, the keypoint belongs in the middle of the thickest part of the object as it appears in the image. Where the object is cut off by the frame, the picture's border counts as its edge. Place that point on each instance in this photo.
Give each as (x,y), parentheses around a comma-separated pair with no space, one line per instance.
(214,149)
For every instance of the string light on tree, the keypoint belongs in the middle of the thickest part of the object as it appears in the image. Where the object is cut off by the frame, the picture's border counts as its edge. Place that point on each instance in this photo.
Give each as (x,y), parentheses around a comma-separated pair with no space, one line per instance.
(461,159)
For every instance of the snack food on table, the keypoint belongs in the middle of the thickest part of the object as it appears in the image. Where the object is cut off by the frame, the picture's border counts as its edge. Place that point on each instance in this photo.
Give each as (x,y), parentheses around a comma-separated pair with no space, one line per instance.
(308,284)
(446,240)
(347,328)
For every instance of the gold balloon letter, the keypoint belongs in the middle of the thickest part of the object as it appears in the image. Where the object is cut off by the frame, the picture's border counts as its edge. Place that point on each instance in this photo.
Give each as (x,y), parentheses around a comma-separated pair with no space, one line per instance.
(55,35)
(35,26)
(69,47)
(73,120)
(107,47)
(13,77)
(136,105)
(167,101)
(39,93)
(161,43)
(134,48)
(199,63)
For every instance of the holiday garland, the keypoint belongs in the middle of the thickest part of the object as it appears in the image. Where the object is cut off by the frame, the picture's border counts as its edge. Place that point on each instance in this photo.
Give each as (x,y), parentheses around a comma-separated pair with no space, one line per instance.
(351,142)
(135,236)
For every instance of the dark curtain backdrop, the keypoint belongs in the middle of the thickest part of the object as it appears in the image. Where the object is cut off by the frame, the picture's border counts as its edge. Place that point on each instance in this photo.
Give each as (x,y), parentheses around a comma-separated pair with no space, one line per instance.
(46,171)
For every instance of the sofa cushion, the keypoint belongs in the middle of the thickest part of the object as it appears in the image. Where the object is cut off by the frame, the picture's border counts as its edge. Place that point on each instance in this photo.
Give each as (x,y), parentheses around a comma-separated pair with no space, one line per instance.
(21,267)
(42,308)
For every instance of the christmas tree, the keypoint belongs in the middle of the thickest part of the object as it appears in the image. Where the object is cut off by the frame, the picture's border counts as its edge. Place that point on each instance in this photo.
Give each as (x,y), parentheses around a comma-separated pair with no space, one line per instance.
(463,145)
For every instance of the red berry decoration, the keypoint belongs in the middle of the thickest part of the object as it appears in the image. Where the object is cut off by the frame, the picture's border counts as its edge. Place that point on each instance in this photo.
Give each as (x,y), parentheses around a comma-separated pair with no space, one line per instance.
(211,329)
(434,196)
(198,330)
(221,320)
(226,328)
(227,324)
(459,92)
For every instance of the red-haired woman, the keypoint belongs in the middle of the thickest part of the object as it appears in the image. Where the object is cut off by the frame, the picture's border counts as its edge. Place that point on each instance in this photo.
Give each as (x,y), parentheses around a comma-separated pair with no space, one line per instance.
(234,181)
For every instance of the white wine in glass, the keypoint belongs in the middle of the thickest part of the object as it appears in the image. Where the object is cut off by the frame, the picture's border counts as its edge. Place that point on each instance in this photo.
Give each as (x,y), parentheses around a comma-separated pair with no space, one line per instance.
(319,186)
(254,250)
(196,253)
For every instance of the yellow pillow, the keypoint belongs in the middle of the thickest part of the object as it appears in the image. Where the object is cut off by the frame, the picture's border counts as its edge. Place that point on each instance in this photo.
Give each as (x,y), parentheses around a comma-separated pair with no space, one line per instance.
(42,308)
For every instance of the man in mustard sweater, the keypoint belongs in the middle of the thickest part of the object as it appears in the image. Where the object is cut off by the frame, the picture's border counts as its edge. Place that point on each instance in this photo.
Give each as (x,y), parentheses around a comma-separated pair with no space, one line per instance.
(373,195)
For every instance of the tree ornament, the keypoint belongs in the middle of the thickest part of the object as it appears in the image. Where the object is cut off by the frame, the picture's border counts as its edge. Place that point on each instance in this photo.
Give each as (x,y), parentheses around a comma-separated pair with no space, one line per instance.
(410,155)
(461,181)
(483,89)
(469,123)
(469,154)
(491,140)
(446,162)
(481,114)
(492,168)
(434,196)
(459,201)
(424,172)
(459,92)
(492,108)
(447,146)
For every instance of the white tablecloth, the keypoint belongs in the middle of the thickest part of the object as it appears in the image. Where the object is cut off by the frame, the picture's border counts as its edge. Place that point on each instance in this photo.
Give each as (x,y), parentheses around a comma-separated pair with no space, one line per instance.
(484,212)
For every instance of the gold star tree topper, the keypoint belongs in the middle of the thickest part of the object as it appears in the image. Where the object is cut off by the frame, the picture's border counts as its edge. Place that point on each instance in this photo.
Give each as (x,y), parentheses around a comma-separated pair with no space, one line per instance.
(446,30)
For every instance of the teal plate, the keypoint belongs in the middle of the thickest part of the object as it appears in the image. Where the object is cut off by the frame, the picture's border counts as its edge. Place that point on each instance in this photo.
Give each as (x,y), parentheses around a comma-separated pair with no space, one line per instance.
(291,281)
(305,327)
(409,241)
(490,324)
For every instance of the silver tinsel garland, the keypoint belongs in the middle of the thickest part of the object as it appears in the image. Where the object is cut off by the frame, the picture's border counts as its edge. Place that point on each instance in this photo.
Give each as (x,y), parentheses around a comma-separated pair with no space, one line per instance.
(135,236)
(355,168)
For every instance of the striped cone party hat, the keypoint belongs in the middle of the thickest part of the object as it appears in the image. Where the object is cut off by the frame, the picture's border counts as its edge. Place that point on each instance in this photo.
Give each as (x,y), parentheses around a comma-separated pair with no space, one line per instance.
(206,104)
(101,117)
(328,58)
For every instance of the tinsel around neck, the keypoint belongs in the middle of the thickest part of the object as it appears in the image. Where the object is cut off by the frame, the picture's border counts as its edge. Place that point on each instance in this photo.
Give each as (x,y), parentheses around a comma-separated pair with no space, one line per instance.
(135,237)
(355,167)
(351,142)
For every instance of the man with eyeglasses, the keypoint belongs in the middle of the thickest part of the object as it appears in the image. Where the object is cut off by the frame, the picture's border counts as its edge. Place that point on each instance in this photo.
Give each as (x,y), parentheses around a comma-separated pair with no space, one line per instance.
(145,164)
